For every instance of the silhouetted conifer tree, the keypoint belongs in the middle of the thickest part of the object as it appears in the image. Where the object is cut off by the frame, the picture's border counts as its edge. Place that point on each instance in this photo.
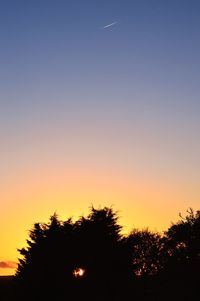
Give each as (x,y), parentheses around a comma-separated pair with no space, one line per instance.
(87,259)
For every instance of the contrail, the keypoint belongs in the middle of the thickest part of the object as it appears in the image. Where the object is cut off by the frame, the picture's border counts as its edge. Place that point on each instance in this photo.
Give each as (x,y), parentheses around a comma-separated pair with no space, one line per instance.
(109,25)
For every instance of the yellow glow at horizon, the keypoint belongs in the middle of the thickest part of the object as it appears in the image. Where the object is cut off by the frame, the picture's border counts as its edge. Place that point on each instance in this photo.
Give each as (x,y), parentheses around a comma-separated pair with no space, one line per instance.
(36,196)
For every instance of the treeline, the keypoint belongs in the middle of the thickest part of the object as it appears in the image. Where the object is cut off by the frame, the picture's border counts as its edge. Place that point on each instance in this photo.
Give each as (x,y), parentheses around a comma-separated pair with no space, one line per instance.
(90,259)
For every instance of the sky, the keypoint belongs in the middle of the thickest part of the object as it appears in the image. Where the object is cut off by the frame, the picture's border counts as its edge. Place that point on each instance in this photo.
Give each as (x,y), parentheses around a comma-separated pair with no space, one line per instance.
(97,114)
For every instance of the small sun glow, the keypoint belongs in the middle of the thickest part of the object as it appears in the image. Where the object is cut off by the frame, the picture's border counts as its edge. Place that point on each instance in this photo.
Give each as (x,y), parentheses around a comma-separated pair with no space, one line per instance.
(78,272)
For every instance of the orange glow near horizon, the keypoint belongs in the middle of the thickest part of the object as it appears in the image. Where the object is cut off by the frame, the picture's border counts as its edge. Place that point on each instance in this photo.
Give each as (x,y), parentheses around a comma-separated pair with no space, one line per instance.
(140,203)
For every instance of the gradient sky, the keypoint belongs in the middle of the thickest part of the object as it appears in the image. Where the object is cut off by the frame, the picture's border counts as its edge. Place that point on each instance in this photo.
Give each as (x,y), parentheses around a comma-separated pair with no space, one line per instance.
(94,115)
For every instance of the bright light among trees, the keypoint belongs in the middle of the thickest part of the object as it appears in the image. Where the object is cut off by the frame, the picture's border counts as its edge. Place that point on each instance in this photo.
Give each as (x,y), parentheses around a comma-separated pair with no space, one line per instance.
(78,272)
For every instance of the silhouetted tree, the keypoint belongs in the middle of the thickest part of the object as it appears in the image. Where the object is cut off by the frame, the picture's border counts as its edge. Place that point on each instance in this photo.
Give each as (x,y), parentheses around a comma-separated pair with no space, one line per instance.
(103,251)
(148,251)
(183,261)
(184,237)
(40,271)
(58,251)
(90,259)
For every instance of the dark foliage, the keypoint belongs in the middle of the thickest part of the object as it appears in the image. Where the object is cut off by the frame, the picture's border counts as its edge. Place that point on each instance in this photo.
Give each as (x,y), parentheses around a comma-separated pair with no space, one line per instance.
(55,250)
(148,252)
(182,269)
(91,260)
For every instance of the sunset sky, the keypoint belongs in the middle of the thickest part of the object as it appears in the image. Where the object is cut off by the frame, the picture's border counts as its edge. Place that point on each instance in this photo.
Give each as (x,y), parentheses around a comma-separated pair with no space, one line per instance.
(91,114)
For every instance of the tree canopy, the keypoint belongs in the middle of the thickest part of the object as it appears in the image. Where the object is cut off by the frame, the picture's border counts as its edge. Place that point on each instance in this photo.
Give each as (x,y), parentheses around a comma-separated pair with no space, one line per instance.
(57,250)
(91,259)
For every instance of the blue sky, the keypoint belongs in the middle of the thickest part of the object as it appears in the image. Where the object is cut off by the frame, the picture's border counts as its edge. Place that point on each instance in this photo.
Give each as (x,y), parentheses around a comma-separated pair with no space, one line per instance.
(59,63)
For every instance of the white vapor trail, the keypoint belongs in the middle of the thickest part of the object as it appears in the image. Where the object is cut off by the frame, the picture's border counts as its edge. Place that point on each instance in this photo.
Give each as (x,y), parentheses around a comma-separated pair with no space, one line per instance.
(109,25)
